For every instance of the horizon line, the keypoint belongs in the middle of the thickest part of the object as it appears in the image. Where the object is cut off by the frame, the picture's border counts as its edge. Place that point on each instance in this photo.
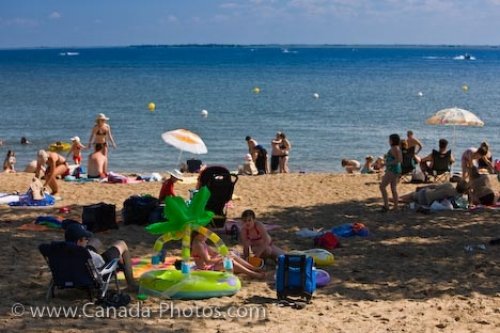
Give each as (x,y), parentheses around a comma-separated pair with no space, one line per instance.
(269,45)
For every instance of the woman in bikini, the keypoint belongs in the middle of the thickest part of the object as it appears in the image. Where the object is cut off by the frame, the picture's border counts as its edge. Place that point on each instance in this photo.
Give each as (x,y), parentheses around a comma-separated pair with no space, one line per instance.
(254,237)
(55,165)
(285,147)
(101,133)
(206,258)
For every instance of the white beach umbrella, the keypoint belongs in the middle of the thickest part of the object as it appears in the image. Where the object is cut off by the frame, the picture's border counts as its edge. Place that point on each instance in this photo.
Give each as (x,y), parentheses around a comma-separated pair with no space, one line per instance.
(454,117)
(185,140)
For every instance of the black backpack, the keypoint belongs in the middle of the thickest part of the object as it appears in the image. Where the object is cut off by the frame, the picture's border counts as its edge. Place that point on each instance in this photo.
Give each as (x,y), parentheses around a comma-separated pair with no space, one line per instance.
(137,209)
(99,217)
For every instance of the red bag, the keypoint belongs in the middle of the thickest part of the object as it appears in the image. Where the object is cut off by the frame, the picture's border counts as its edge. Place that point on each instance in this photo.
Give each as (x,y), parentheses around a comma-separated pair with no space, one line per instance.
(327,241)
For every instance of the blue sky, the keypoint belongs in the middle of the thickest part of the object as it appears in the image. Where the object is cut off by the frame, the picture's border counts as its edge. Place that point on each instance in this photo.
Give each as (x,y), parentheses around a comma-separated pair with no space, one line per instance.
(33,23)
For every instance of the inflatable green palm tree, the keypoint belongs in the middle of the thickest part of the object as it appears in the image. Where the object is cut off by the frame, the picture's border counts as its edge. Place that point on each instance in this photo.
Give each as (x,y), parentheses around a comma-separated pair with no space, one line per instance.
(182,218)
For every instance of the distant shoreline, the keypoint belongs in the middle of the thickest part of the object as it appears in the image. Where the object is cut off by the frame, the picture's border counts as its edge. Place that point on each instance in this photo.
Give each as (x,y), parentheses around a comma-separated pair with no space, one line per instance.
(209,45)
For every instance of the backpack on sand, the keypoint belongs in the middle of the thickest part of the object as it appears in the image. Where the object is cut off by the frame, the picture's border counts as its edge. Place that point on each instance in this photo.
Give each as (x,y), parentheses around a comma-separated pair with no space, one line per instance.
(295,276)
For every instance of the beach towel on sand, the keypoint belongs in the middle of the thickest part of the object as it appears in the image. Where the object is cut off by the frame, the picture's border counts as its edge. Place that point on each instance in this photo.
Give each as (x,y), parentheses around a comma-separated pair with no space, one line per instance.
(142,265)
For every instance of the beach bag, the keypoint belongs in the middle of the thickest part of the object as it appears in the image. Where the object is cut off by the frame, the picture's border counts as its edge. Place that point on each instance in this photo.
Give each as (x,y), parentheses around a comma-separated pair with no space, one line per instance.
(417,177)
(99,217)
(327,241)
(193,166)
(137,209)
(295,276)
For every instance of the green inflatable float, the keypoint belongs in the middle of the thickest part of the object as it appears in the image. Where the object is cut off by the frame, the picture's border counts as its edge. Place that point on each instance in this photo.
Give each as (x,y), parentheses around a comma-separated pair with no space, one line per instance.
(187,284)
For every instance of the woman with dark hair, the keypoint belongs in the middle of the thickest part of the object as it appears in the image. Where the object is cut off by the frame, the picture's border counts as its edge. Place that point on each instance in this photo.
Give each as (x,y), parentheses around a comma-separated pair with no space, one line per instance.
(393,170)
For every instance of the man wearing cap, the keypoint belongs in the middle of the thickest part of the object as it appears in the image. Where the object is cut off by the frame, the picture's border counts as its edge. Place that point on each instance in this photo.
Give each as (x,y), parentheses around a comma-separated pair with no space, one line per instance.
(77,234)
(101,133)
(76,147)
(167,188)
(55,165)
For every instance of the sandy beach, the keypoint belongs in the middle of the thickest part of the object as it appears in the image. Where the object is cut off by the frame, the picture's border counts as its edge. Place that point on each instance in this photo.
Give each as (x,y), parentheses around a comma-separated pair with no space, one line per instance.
(411,275)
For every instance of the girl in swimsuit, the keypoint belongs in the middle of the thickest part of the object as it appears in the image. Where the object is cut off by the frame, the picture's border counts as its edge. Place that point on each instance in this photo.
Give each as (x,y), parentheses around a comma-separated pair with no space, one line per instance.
(254,237)
(55,164)
(101,133)
(393,161)
(207,258)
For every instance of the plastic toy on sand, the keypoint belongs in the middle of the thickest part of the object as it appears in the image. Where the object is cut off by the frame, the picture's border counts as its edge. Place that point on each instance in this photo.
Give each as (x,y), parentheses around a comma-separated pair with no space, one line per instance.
(321,257)
(187,284)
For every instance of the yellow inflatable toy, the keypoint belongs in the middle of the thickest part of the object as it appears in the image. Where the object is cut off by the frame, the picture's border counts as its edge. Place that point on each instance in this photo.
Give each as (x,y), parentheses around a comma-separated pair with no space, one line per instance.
(59,146)
(321,257)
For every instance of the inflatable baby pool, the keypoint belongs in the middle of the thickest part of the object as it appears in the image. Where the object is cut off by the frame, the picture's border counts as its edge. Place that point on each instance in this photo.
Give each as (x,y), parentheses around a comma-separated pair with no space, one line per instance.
(173,284)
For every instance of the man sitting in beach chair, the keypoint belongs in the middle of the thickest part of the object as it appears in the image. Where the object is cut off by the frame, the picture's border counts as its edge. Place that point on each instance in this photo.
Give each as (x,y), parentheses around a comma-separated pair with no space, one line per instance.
(75,264)
(438,163)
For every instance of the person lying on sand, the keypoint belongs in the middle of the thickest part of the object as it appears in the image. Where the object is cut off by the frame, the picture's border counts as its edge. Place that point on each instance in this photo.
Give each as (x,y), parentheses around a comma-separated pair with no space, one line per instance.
(426,195)
(254,237)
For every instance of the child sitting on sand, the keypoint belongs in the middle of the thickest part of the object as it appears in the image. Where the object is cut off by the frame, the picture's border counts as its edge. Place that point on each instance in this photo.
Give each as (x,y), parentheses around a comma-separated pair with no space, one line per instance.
(207,258)
(9,162)
(254,237)
(367,167)
(76,147)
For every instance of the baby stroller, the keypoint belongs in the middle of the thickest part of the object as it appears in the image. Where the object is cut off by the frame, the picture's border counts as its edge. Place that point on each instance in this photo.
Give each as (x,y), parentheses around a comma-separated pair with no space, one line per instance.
(221,183)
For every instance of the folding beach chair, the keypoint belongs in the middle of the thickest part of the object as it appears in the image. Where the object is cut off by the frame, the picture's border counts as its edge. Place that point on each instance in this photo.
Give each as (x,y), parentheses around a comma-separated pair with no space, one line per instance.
(441,165)
(221,184)
(72,267)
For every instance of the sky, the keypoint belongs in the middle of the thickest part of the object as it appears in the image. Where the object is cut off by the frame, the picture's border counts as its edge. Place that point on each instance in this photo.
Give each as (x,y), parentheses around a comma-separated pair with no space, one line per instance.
(64,23)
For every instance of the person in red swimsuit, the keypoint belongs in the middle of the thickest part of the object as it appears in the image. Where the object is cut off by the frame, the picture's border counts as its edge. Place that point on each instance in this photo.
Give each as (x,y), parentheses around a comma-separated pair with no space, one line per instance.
(254,237)
(206,258)
(167,188)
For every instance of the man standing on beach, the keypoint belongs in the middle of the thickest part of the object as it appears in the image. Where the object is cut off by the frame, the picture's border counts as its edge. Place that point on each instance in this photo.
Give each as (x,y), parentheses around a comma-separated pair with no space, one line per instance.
(413,142)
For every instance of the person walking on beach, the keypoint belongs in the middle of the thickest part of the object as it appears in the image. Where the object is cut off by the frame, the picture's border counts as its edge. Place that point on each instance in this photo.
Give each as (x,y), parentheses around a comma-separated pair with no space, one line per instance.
(55,165)
(252,143)
(276,153)
(97,165)
(9,162)
(76,150)
(285,147)
(393,170)
(101,133)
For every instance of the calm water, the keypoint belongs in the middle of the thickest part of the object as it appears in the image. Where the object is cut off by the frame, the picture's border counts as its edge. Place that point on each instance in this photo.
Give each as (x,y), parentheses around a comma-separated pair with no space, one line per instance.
(365,95)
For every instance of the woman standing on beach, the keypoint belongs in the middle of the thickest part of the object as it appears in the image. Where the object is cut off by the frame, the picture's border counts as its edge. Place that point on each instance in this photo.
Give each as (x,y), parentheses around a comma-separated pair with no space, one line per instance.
(285,147)
(393,161)
(101,133)
(276,153)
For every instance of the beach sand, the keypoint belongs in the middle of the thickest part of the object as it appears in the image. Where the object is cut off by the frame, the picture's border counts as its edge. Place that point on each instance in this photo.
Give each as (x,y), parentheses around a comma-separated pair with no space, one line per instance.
(411,275)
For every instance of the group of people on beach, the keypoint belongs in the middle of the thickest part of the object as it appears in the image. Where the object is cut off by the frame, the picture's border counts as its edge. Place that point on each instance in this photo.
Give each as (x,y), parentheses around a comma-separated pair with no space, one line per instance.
(51,164)
(471,181)
(256,161)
